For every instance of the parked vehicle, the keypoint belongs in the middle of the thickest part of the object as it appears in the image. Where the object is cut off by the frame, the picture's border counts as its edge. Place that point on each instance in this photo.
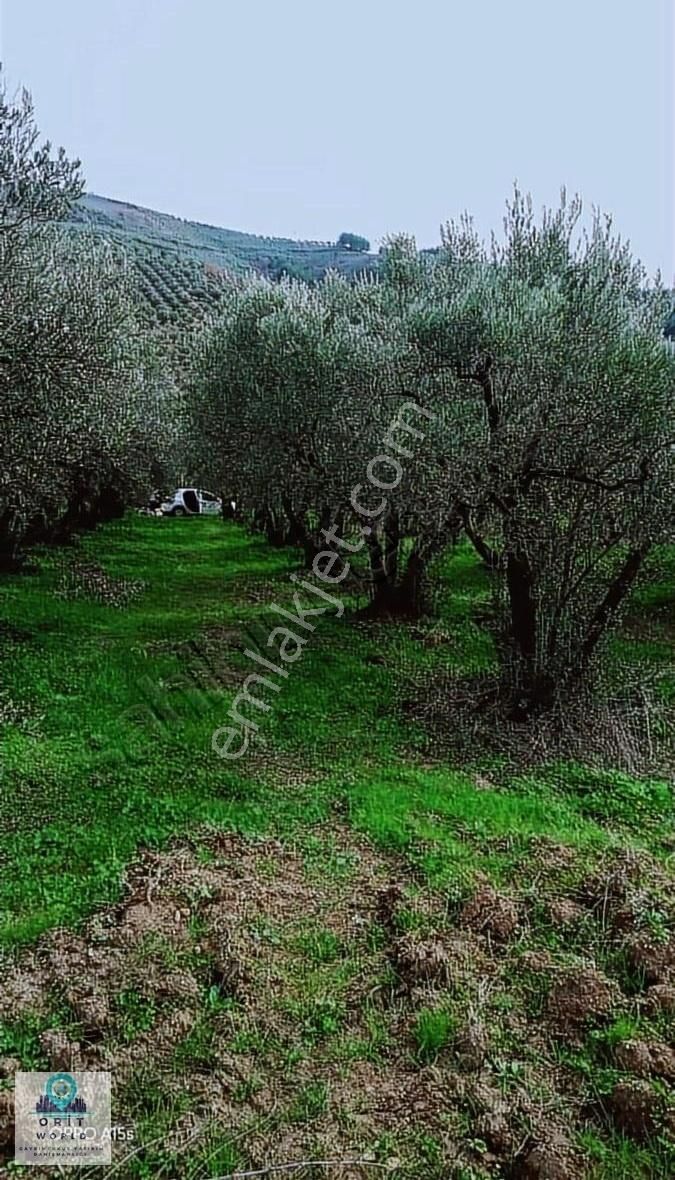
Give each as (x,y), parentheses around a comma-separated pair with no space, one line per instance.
(192,502)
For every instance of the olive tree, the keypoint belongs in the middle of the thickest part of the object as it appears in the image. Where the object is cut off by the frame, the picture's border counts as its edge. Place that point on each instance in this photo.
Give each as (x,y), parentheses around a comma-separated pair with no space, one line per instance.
(547,389)
(36,186)
(353,242)
(561,390)
(84,406)
(299,392)
(87,413)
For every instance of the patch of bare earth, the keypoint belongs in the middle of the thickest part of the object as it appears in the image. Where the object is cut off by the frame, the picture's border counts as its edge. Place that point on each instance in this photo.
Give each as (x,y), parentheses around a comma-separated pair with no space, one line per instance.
(272,995)
(634,732)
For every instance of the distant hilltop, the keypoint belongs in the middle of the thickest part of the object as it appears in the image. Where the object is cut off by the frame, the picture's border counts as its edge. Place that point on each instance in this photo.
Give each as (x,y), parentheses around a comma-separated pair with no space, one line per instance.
(181,265)
(228,249)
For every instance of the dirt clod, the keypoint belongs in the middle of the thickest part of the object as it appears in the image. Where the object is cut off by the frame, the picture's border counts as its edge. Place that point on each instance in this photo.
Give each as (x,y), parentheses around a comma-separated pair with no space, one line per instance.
(579,996)
(494,1128)
(389,901)
(635,1109)
(92,1010)
(564,912)
(60,1051)
(634,1057)
(660,998)
(493,1122)
(472,1044)
(6,1117)
(663,1060)
(488,912)
(647,1059)
(545,1163)
(654,1059)
(420,961)
(651,960)
(539,961)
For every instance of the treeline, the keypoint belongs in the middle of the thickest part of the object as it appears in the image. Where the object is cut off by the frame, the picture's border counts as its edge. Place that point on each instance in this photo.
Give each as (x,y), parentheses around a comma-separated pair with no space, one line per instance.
(89,416)
(540,424)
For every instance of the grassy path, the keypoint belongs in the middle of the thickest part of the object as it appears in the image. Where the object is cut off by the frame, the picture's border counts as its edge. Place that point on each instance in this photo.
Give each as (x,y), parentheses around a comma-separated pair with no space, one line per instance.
(108,747)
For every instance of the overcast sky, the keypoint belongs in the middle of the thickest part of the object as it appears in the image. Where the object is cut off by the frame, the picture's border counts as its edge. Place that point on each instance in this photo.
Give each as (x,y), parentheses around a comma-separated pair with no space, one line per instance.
(303,118)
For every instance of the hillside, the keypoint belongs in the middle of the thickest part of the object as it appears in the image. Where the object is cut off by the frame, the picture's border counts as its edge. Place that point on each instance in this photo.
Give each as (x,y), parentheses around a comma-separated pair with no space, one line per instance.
(181,264)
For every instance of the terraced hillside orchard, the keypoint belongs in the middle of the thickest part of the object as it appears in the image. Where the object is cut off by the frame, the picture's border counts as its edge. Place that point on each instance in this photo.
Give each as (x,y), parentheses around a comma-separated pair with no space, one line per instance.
(182,265)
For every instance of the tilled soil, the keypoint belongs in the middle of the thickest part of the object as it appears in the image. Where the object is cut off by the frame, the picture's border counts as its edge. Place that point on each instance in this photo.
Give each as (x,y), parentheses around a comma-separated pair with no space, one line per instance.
(275,996)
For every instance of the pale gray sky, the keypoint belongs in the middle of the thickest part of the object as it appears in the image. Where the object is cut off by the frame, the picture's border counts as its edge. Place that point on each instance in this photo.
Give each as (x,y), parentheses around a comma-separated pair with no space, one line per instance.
(303,118)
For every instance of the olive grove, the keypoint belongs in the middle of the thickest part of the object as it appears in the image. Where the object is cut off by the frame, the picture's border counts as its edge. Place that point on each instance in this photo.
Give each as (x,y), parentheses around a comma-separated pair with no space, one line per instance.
(549,438)
(518,393)
(299,390)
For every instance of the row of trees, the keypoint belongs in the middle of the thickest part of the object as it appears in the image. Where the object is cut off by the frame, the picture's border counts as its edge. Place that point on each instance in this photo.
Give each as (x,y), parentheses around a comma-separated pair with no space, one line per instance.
(88,416)
(537,386)
(546,427)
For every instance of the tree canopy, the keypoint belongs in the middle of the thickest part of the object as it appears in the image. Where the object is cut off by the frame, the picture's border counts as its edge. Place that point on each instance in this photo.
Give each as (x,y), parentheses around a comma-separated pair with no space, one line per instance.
(84,400)
(353,242)
(548,437)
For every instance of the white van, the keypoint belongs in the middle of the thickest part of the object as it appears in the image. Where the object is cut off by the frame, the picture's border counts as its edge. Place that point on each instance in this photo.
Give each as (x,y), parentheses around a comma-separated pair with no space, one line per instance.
(192,502)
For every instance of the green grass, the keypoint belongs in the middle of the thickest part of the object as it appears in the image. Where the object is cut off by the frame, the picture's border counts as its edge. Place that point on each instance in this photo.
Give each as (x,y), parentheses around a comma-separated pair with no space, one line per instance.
(21,1040)
(135,1014)
(106,718)
(618,1158)
(321,946)
(113,747)
(434,1028)
(311,1101)
(117,759)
